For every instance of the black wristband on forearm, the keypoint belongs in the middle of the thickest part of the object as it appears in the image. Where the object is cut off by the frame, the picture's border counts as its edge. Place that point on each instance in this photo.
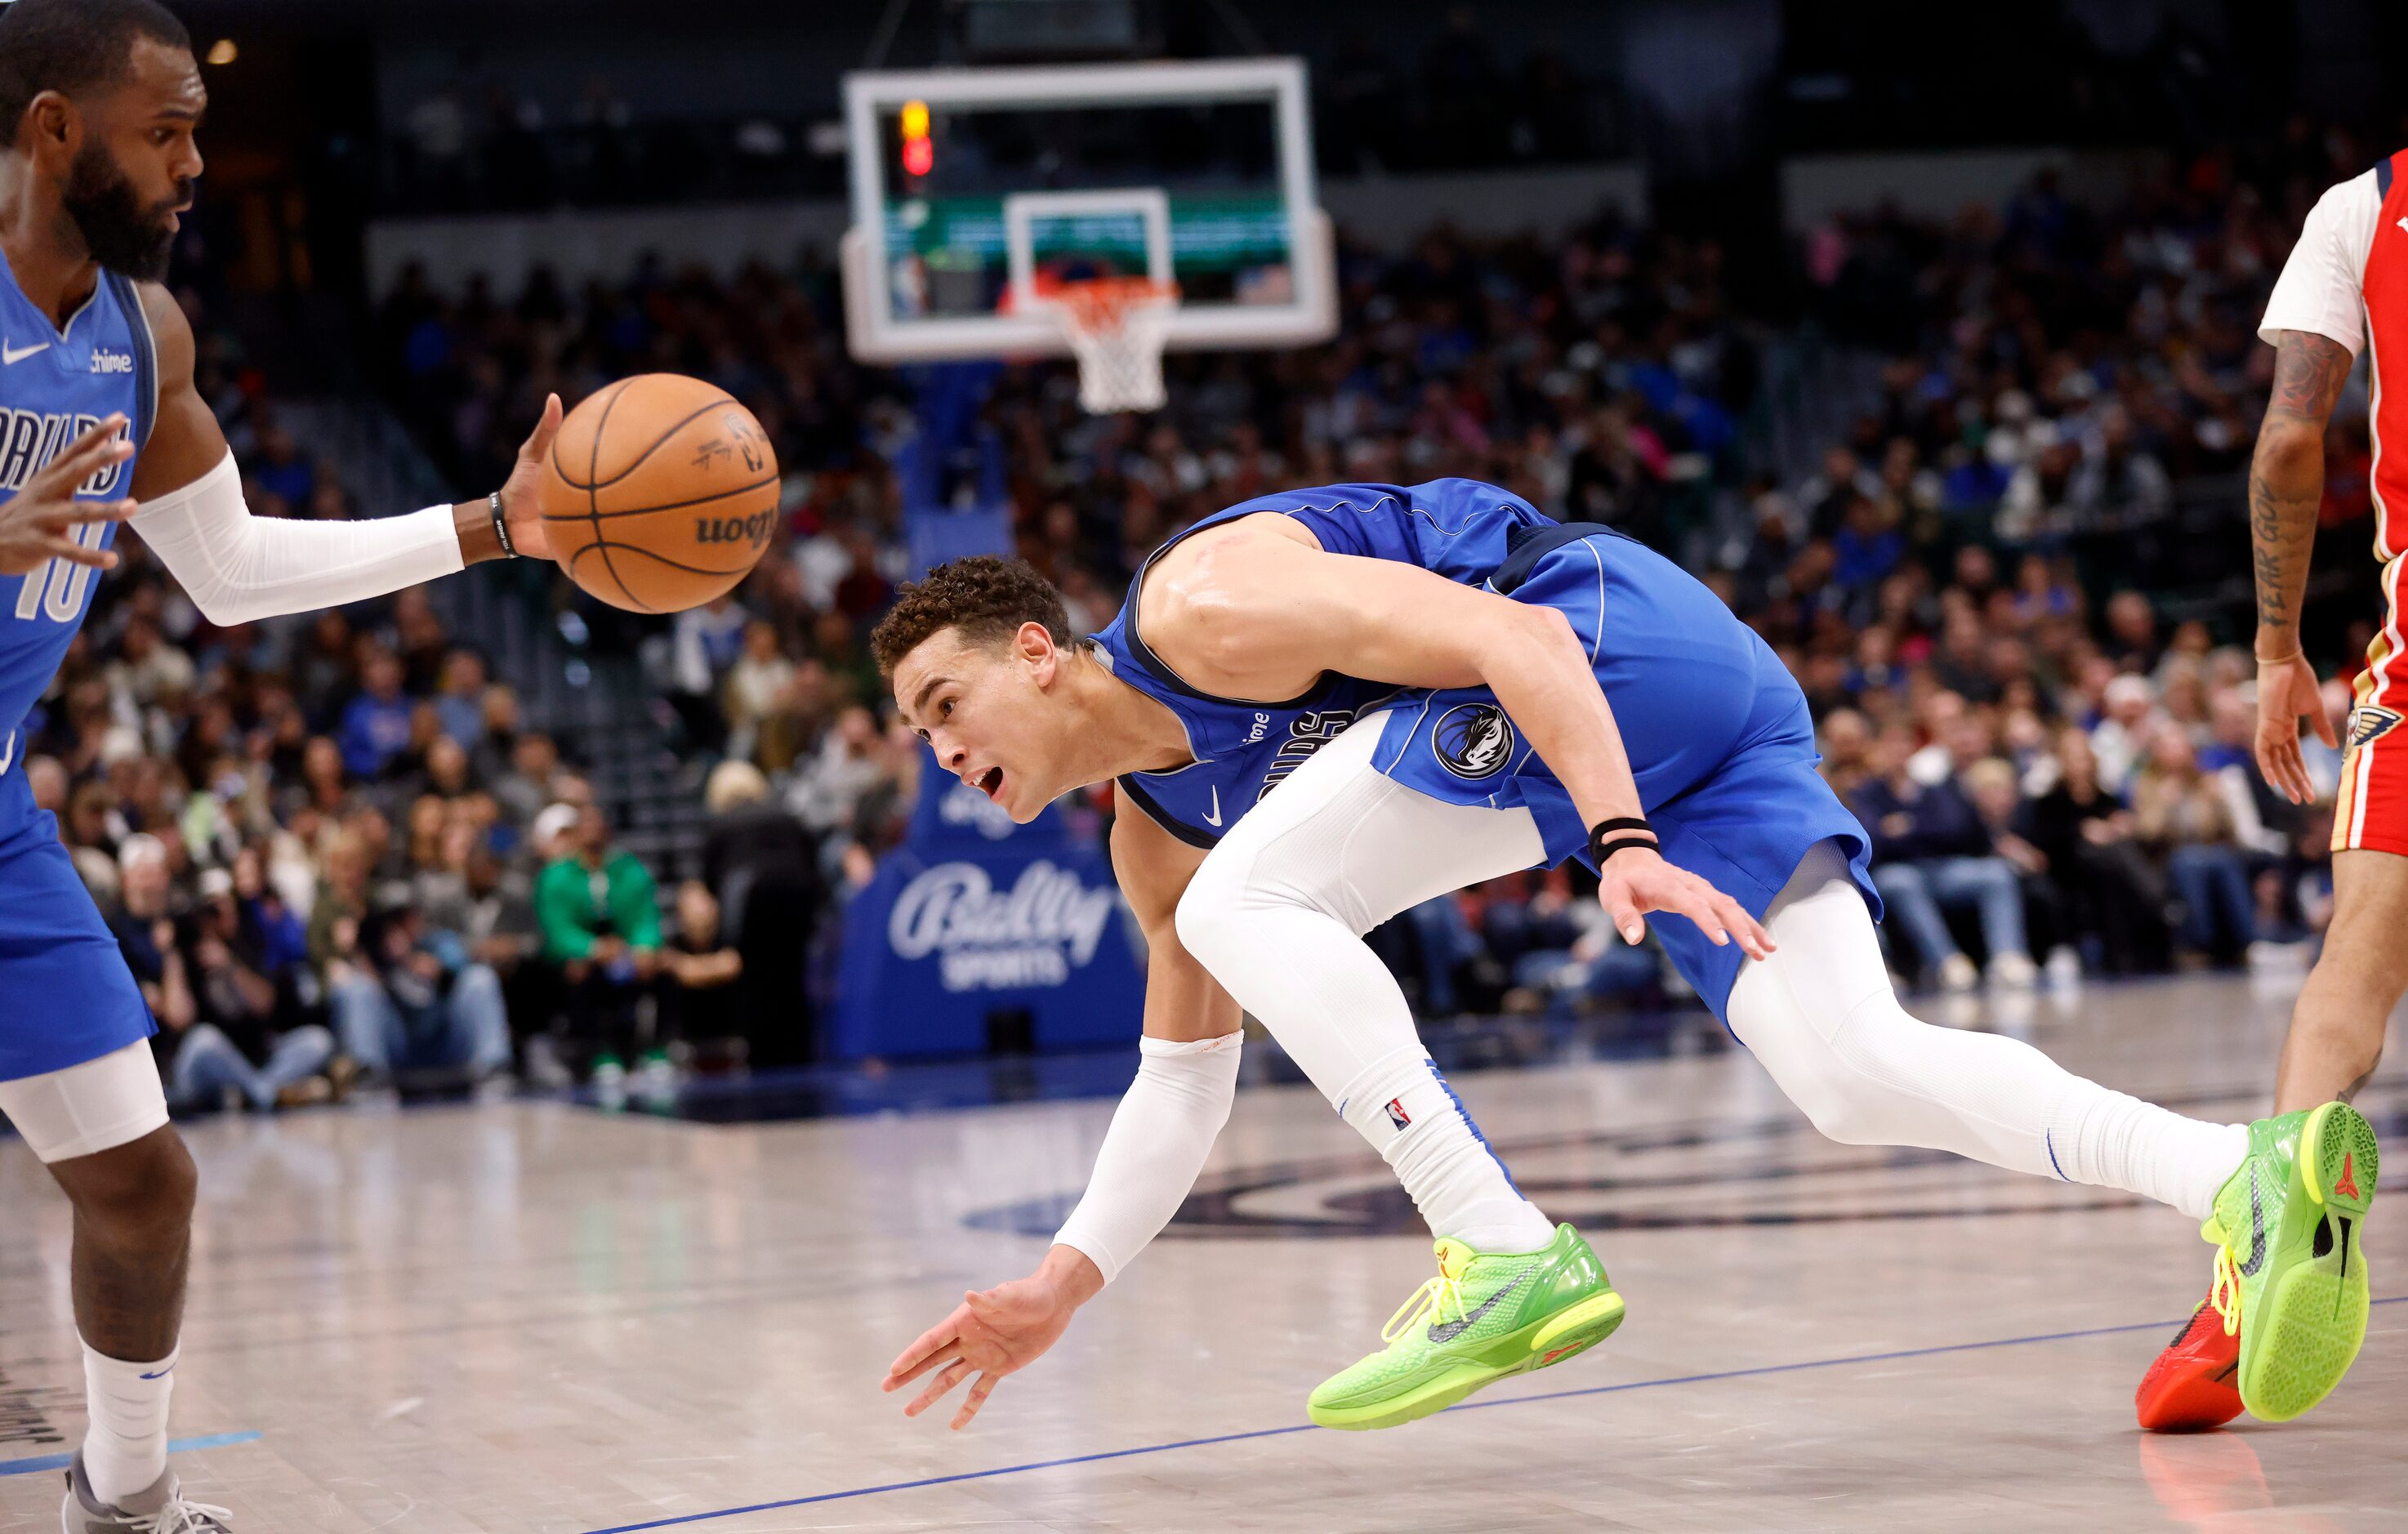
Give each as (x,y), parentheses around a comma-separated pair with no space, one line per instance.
(1603,844)
(502,526)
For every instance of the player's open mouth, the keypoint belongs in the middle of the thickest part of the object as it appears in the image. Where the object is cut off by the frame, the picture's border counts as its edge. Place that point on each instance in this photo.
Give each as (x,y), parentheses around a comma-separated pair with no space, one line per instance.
(990,783)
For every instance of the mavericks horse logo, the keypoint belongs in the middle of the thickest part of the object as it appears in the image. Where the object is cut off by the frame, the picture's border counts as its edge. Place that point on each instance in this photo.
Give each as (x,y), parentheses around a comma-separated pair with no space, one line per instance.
(1473,739)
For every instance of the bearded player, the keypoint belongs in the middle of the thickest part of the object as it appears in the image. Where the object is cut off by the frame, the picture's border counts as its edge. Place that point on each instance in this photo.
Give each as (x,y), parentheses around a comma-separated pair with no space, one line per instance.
(99,101)
(2344,290)
(1324,707)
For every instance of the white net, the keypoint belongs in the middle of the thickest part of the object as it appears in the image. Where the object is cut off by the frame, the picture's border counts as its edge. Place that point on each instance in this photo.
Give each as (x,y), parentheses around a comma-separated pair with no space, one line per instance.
(1117,326)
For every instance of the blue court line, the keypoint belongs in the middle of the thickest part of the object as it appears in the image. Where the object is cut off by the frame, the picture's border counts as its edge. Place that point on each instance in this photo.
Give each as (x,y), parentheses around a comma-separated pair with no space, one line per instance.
(1467,1406)
(175,1446)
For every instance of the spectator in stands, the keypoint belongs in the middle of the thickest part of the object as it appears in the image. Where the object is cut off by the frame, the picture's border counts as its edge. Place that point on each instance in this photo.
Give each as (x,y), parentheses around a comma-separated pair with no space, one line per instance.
(146,936)
(762,865)
(700,1002)
(2119,737)
(1931,853)
(851,762)
(2112,893)
(376,722)
(601,923)
(1996,792)
(460,703)
(757,684)
(411,1002)
(234,1045)
(2181,815)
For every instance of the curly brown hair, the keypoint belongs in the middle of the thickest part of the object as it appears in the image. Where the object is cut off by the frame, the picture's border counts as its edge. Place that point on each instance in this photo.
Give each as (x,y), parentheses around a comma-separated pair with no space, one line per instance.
(985,597)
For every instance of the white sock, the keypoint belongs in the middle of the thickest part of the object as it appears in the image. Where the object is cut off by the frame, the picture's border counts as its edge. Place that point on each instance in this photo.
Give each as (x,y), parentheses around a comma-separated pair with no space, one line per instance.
(126,1449)
(2112,1140)
(1413,1119)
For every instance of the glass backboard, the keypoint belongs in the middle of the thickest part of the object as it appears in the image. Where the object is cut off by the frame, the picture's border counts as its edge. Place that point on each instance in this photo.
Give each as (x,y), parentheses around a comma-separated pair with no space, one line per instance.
(975,192)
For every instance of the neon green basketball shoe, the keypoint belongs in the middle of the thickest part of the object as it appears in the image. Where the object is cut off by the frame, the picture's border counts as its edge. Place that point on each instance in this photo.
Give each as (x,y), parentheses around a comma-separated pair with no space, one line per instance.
(1486,1315)
(2290,1266)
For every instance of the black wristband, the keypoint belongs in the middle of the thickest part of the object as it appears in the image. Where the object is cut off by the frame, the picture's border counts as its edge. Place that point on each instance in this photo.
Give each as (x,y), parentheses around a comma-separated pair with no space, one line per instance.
(1601,847)
(502,526)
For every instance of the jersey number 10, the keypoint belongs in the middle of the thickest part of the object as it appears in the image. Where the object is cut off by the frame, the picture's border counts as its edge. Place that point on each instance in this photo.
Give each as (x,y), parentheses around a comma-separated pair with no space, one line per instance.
(55,588)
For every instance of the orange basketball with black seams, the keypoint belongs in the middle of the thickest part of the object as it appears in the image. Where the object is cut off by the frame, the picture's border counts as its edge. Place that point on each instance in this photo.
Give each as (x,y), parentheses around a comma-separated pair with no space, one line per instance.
(661,493)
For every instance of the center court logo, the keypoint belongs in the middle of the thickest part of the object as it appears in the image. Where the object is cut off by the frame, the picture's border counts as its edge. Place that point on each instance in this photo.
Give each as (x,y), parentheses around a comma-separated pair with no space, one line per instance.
(1473,739)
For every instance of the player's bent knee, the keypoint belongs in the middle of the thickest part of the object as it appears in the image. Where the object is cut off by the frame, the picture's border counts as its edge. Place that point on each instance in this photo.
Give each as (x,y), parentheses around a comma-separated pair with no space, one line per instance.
(1207,919)
(142,1189)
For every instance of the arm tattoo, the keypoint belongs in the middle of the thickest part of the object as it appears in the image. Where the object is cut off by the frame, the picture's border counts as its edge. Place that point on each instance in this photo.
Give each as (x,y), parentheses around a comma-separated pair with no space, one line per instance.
(2286,481)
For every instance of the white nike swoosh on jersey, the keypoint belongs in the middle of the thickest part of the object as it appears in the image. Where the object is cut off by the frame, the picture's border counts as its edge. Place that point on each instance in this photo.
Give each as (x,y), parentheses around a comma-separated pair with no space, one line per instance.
(12,355)
(1214,818)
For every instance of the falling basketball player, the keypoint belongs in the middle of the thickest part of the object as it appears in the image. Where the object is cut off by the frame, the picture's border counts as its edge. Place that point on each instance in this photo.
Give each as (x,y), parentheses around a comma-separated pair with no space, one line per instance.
(99,101)
(2344,288)
(1324,707)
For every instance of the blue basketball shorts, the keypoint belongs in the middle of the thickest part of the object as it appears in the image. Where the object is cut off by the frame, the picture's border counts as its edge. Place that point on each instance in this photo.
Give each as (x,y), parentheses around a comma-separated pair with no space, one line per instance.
(65,994)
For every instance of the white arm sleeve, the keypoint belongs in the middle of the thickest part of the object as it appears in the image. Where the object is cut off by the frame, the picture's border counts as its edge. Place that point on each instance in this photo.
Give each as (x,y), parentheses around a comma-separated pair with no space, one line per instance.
(1160,1135)
(2322,286)
(238,568)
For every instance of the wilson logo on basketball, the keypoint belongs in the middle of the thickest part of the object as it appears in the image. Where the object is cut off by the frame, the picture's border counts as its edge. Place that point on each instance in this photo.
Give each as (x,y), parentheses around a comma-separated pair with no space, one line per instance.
(752,529)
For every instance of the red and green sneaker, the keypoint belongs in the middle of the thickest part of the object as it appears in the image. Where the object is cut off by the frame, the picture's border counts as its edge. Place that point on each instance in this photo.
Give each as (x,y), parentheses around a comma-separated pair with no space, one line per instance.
(1486,1315)
(2290,1262)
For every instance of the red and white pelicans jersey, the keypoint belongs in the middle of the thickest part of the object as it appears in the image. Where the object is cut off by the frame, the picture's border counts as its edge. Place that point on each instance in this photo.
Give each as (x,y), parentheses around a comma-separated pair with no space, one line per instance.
(2347,278)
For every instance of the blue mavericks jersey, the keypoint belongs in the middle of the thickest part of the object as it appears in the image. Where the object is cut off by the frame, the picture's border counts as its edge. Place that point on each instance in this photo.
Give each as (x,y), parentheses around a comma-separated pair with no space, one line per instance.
(69,996)
(55,385)
(1456,527)
(1718,733)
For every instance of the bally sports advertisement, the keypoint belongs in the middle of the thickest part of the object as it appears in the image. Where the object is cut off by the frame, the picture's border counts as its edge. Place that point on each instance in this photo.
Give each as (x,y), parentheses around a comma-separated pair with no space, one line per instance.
(975,918)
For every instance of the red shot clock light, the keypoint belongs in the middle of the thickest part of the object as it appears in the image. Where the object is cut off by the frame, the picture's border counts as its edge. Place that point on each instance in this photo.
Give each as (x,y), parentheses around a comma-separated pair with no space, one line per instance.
(919,150)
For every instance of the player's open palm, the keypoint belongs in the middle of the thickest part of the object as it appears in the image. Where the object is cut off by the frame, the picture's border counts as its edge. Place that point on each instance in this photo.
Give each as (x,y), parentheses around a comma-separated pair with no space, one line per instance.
(1636,881)
(2287,690)
(40,522)
(990,1334)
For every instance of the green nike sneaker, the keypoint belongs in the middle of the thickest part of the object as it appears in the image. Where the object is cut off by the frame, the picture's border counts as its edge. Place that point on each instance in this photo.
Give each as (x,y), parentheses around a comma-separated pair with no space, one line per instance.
(1486,1315)
(2290,1266)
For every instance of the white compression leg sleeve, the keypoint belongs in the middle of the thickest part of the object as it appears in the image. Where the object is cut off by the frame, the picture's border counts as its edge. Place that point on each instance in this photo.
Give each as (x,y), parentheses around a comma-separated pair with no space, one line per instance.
(1820,1015)
(238,568)
(1160,1135)
(1277,913)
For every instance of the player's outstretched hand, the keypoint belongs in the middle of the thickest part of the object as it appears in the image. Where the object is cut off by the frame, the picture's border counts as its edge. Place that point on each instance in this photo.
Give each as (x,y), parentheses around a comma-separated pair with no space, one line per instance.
(38,522)
(1637,880)
(522,507)
(2287,690)
(991,1334)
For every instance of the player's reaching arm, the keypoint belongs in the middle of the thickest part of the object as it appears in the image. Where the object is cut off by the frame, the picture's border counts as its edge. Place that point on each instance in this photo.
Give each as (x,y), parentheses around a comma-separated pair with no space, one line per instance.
(2287,483)
(1165,1127)
(1251,611)
(238,568)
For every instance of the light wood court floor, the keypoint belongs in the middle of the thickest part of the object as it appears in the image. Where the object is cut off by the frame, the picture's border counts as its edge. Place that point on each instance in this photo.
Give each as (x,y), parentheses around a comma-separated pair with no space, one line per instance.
(542,1319)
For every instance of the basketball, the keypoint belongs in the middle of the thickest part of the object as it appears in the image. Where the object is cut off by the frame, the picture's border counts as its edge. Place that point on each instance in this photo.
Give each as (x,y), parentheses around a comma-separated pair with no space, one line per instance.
(660,492)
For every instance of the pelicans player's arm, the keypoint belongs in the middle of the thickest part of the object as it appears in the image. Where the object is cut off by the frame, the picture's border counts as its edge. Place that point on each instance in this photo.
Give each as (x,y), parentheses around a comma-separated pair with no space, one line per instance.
(2286,486)
(238,568)
(1257,609)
